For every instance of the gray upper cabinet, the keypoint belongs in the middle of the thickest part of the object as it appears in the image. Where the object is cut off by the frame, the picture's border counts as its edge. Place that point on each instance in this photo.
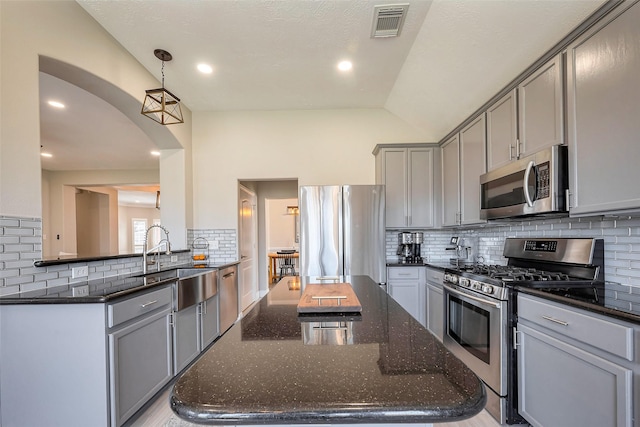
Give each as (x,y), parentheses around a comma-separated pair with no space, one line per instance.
(528,118)
(451,182)
(463,161)
(407,173)
(502,131)
(603,78)
(540,108)
(472,164)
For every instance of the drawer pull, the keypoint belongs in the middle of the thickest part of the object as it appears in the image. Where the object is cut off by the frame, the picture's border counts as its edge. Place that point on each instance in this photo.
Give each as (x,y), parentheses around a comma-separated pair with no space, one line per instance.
(146,304)
(551,319)
(229,275)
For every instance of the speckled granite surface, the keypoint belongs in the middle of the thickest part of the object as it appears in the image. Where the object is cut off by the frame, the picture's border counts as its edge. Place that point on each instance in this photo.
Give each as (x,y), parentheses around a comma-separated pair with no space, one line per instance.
(100,290)
(273,367)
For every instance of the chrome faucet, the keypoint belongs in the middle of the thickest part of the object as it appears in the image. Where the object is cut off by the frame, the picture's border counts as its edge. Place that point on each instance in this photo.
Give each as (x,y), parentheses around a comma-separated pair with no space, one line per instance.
(146,251)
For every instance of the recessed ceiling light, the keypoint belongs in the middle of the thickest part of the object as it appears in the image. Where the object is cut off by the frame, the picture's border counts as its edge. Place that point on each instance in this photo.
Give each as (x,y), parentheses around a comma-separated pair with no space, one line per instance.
(345,65)
(205,69)
(155,153)
(56,104)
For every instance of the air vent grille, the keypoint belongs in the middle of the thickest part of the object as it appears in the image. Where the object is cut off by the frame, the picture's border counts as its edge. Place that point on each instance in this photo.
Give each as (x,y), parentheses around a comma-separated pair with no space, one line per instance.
(388,20)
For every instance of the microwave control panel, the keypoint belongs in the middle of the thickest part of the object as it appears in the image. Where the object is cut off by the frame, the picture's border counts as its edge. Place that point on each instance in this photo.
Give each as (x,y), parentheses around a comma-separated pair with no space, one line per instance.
(543,181)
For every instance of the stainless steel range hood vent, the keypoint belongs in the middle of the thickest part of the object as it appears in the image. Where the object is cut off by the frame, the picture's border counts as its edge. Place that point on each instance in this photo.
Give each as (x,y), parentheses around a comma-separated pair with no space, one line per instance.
(388,20)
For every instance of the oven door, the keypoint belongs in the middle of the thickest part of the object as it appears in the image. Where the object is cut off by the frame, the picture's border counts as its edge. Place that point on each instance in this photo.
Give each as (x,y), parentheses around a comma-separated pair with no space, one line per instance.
(475,331)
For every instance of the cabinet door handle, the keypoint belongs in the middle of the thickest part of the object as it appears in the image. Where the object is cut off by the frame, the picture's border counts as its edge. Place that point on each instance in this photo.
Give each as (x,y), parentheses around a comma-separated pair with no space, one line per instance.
(510,152)
(228,275)
(147,304)
(554,320)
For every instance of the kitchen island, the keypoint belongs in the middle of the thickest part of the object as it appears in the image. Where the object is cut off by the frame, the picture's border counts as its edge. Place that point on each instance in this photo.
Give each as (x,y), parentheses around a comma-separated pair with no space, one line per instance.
(277,367)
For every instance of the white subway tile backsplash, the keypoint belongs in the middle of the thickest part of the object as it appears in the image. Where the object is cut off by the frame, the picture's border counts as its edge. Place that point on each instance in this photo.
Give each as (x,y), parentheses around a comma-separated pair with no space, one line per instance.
(621,241)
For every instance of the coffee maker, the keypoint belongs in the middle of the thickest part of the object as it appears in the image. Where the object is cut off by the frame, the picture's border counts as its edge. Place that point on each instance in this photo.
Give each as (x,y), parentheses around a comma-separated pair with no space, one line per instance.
(409,247)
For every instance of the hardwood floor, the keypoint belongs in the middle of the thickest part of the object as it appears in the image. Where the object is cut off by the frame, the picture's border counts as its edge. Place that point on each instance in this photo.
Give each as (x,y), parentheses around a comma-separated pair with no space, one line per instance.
(159,414)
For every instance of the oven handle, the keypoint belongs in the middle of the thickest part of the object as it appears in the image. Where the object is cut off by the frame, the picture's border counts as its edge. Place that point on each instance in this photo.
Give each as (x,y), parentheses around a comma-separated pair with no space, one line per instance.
(525,185)
(471,297)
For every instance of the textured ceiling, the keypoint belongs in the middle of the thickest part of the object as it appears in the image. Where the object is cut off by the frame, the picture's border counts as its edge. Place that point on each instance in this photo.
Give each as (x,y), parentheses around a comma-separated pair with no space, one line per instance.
(451,57)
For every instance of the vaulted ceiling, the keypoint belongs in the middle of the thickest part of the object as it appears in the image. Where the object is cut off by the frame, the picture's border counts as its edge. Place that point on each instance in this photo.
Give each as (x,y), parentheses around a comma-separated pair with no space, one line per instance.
(450,57)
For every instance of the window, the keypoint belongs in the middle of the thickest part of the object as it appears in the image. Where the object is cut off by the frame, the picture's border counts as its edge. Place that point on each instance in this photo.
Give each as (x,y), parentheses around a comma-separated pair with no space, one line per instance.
(139,227)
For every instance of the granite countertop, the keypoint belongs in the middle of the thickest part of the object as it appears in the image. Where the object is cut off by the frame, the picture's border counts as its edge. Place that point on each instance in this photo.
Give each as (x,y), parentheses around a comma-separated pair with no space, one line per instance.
(105,289)
(437,265)
(618,301)
(275,367)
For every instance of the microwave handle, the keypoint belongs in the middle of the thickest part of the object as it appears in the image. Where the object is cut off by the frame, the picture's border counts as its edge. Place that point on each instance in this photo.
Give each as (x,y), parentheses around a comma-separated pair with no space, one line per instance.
(525,185)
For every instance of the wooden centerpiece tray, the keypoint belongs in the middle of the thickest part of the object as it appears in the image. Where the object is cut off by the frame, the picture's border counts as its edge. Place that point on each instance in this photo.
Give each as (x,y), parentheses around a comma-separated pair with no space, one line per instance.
(329,298)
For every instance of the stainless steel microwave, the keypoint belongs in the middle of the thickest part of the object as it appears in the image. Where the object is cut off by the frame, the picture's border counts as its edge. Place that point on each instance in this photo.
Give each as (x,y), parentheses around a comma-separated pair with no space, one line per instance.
(533,185)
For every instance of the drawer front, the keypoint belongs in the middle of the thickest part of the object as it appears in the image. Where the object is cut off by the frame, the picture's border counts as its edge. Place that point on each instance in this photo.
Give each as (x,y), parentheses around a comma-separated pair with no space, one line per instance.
(124,311)
(403,273)
(606,335)
(435,276)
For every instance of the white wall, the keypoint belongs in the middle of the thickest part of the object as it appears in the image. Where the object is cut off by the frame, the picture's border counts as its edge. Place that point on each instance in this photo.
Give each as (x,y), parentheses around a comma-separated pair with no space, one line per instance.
(314,146)
(62,30)
(61,220)
(280,226)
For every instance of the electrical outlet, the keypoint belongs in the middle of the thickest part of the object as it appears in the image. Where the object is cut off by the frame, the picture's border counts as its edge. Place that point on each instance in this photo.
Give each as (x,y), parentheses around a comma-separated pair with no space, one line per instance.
(80,291)
(214,244)
(79,272)
(174,258)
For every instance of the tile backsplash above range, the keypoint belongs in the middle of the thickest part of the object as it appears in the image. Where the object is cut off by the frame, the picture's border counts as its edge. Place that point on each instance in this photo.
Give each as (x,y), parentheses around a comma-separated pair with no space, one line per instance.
(621,237)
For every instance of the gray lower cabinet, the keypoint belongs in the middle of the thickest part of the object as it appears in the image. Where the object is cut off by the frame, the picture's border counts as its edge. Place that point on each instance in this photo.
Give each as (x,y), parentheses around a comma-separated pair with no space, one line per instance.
(194,329)
(210,328)
(407,286)
(140,363)
(435,302)
(186,345)
(603,101)
(575,368)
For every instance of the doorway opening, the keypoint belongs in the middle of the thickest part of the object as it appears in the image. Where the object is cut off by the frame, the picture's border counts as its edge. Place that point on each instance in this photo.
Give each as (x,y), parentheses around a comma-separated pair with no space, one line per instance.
(273,198)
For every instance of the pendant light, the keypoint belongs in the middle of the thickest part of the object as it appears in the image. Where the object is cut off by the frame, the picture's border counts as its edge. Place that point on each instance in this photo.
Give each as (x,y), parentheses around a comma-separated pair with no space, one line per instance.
(161,105)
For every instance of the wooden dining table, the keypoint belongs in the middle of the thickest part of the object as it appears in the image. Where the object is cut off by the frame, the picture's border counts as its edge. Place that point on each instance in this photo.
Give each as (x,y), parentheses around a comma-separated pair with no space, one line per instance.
(273,263)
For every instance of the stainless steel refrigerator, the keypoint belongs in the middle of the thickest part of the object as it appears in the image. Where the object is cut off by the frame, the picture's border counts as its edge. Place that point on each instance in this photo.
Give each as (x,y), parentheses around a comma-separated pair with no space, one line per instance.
(342,231)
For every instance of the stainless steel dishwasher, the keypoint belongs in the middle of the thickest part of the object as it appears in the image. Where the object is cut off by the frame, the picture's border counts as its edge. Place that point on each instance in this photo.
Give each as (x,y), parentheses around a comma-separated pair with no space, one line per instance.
(228,293)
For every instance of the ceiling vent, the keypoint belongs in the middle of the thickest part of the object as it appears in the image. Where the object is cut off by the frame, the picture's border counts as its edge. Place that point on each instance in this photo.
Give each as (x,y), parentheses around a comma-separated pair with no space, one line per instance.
(388,19)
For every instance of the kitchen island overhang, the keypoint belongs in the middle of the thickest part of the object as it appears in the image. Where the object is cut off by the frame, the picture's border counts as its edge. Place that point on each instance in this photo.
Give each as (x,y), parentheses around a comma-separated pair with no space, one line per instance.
(273,367)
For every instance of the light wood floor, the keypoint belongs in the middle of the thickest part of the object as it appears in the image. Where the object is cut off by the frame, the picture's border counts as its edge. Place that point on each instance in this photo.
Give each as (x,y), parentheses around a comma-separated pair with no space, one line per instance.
(159,414)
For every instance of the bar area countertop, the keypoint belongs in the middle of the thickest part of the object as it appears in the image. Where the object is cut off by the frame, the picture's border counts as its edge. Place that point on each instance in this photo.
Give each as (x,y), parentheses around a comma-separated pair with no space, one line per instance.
(277,367)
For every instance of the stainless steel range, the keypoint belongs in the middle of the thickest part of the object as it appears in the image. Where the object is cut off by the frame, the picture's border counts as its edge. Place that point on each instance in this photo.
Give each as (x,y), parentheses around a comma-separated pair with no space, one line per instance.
(480,309)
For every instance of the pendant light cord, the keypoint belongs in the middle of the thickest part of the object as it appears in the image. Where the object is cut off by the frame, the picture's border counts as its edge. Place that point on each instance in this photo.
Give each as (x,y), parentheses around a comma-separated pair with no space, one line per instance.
(162,74)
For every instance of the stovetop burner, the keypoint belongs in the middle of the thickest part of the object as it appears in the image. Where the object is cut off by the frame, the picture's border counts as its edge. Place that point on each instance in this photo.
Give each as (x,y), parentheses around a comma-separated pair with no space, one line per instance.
(508,273)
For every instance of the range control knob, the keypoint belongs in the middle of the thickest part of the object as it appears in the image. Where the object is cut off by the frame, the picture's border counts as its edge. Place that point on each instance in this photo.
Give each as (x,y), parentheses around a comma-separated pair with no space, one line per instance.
(488,289)
(476,285)
(451,278)
(464,282)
